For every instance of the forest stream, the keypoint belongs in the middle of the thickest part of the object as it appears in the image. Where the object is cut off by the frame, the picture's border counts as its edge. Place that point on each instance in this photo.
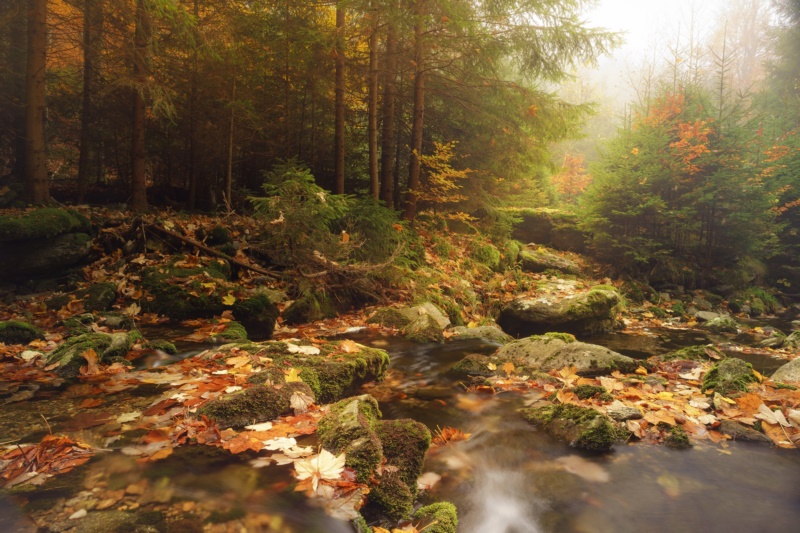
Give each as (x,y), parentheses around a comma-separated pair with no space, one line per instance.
(509,477)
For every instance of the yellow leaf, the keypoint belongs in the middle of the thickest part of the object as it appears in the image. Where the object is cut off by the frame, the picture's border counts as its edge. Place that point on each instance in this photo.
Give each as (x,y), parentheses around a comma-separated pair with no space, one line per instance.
(508,368)
(293,375)
(348,346)
(229,299)
(208,285)
(472,324)
(642,371)
(758,376)
(665,396)
(491,366)
(345,237)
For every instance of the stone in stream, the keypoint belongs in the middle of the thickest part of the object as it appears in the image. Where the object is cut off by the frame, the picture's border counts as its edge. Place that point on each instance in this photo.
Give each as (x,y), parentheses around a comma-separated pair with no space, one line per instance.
(730,376)
(788,373)
(792,341)
(738,431)
(489,333)
(722,324)
(108,348)
(421,323)
(621,412)
(553,351)
(585,313)
(352,426)
(581,427)
(256,404)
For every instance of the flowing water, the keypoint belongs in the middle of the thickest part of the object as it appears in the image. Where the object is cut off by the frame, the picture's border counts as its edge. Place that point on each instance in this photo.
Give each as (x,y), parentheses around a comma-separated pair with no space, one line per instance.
(507,478)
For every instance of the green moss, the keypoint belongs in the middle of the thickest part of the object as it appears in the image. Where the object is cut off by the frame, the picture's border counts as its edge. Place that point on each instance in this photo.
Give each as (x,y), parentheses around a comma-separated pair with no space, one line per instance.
(390,317)
(693,353)
(404,444)
(256,404)
(163,345)
(360,525)
(57,302)
(441,517)
(584,392)
(677,438)
(579,426)
(257,314)
(18,332)
(179,293)
(107,347)
(219,235)
(486,254)
(219,517)
(658,312)
(393,496)
(42,223)
(566,337)
(729,376)
(100,296)
(511,250)
(349,427)
(779,385)
(308,309)
(78,325)
(234,332)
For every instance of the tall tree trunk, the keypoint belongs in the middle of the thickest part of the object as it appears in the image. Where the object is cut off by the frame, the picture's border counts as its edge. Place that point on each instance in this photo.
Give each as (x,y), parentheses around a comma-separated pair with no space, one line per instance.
(141,73)
(389,91)
(92,30)
(339,126)
(37,189)
(16,61)
(410,210)
(229,170)
(374,184)
(192,111)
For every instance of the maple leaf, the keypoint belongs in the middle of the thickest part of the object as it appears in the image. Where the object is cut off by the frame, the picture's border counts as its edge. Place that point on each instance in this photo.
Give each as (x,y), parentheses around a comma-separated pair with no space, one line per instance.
(293,375)
(300,402)
(773,417)
(280,443)
(508,368)
(448,434)
(229,299)
(322,466)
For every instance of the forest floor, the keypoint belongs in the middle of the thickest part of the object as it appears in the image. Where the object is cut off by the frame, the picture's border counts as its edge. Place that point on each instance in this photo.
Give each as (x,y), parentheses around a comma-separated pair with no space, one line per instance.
(50,425)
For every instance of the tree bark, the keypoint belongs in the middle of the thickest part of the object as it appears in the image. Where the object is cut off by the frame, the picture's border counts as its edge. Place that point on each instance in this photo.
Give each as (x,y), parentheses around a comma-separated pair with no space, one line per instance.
(372,128)
(389,92)
(16,61)
(229,172)
(37,189)
(339,126)
(92,30)
(192,111)
(141,73)
(410,210)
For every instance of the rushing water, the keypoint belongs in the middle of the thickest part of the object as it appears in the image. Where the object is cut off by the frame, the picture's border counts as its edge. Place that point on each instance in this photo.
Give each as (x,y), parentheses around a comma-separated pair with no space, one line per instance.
(507,478)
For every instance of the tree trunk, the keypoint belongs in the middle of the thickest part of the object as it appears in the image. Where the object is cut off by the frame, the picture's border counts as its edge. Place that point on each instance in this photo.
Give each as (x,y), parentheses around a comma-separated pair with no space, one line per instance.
(37,189)
(387,133)
(16,61)
(419,113)
(141,73)
(192,111)
(339,127)
(374,184)
(229,171)
(92,30)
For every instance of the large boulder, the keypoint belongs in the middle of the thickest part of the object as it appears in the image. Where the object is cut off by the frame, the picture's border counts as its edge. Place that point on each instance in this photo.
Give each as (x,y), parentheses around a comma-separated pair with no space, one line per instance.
(421,323)
(553,351)
(42,242)
(488,333)
(18,332)
(581,427)
(551,227)
(790,372)
(722,324)
(539,260)
(256,404)
(70,356)
(585,313)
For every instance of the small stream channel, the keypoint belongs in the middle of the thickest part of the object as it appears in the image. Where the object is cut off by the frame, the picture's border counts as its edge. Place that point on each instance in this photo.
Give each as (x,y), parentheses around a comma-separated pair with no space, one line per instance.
(507,478)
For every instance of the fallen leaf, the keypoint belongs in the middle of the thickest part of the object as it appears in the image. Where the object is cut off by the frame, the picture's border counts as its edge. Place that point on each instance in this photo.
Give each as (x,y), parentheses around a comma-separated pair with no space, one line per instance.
(305,350)
(322,466)
(348,346)
(300,402)
(293,375)
(229,299)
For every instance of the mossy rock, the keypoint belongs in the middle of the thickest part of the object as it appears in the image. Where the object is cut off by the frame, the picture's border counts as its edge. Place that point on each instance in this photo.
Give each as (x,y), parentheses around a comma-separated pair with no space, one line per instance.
(162,345)
(178,293)
(79,324)
(405,442)
(487,255)
(730,376)
(258,315)
(722,324)
(584,392)
(105,521)
(440,517)
(678,438)
(488,333)
(58,301)
(19,332)
(310,308)
(218,235)
(790,372)
(584,313)
(544,353)
(331,374)
(253,405)
(792,341)
(699,352)
(536,260)
(741,432)
(234,332)
(424,329)
(581,427)
(393,496)
(350,427)
(107,347)
(44,223)
(100,296)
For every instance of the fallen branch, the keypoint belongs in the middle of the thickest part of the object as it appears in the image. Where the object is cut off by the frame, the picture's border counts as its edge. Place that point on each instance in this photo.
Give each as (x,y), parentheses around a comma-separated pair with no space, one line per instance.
(332,267)
(164,231)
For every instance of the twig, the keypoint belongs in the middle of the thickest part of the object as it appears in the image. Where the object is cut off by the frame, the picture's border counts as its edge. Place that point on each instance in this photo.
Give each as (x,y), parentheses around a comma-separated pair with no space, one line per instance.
(209,250)
(46,422)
